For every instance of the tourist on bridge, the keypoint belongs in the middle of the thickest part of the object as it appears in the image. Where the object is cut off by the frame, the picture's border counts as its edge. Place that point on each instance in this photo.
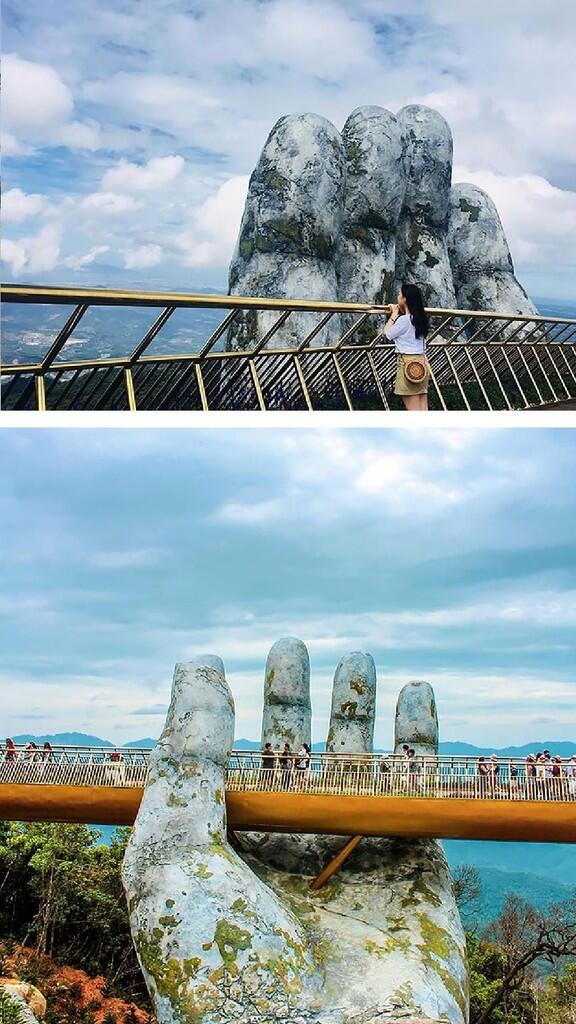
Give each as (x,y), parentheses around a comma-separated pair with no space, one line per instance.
(285,763)
(484,771)
(384,770)
(302,764)
(268,765)
(10,754)
(407,327)
(571,776)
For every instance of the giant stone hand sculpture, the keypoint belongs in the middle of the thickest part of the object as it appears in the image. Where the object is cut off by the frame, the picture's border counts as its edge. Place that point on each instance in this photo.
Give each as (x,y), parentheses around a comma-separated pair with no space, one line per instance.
(347,217)
(232,933)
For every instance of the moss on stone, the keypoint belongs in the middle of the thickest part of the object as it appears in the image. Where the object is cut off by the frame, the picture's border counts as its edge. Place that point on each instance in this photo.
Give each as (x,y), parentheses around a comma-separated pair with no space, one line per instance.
(392,944)
(469,208)
(437,948)
(175,801)
(348,709)
(171,977)
(169,921)
(358,686)
(202,871)
(231,940)
(240,906)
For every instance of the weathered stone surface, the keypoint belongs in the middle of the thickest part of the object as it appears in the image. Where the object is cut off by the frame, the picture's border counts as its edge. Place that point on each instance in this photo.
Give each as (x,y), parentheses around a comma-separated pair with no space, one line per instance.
(375,185)
(480,257)
(353,705)
(416,718)
(352,216)
(287,709)
(290,228)
(228,935)
(202,924)
(421,251)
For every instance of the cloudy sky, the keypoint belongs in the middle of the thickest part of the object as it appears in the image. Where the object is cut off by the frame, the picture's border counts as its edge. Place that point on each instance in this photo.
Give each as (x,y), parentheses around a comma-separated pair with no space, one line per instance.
(130,129)
(449,555)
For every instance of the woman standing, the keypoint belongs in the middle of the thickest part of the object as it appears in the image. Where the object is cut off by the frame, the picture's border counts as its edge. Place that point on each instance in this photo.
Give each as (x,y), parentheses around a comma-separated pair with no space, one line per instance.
(302,764)
(407,326)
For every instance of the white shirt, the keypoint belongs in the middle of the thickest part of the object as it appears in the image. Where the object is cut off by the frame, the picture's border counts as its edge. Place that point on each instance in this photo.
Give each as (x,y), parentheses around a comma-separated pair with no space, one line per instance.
(402,332)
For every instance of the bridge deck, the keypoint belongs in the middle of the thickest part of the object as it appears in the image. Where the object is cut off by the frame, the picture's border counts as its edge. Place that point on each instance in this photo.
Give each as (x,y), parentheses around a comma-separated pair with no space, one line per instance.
(337,794)
(422,817)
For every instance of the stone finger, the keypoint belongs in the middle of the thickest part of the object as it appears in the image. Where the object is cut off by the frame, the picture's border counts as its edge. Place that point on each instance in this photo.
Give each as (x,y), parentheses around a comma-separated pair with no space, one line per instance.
(375,186)
(353,705)
(289,231)
(480,257)
(416,718)
(421,248)
(287,714)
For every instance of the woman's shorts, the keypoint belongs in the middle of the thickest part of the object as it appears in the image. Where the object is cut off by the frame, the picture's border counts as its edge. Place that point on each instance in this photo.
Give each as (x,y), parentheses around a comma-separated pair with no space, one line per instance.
(403,386)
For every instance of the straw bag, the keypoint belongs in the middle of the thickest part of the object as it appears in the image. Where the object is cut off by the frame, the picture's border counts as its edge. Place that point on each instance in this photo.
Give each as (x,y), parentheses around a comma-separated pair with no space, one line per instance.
(415,369)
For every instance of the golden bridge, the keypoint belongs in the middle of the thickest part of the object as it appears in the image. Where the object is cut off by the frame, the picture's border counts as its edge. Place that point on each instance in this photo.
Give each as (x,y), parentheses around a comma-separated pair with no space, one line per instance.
(338,794)
(478,360)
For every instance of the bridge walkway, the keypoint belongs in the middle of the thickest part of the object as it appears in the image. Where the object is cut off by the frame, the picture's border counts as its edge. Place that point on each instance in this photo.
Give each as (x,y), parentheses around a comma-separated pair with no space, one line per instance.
(339,794)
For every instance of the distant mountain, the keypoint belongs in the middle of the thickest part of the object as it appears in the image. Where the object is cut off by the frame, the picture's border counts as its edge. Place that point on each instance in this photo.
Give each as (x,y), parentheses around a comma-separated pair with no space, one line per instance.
(544,860)
(73,739)
(564,748)
(496,885)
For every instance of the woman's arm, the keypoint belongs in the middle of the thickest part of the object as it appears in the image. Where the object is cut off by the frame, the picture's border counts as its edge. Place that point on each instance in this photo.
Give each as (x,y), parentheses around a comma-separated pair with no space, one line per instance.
(389,331)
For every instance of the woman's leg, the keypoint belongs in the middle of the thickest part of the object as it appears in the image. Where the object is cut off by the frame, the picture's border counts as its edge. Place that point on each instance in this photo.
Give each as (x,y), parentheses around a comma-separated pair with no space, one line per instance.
(412,402)
(423,402)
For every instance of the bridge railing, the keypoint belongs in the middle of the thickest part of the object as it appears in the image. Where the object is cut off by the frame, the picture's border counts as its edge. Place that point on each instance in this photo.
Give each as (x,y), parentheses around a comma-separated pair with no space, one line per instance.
(257,353)
(126,767)
(437,777)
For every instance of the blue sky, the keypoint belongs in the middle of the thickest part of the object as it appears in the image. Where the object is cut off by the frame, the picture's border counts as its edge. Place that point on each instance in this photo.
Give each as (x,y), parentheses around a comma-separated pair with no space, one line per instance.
(130,129)
(448,554)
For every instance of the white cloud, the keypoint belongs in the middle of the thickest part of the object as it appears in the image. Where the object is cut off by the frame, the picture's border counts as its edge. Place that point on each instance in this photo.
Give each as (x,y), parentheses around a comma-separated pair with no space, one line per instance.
(34,253)
(212,229)
(77,135)
(37,107)
(10,146)
(315,38)
(110,203)
(143,256)
(78,262)
(18,205)
(34,95)
(156,174)
(168,101)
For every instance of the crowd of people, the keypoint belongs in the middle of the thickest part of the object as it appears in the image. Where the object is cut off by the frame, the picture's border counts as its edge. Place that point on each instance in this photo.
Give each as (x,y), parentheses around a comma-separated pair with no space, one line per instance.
(539,776)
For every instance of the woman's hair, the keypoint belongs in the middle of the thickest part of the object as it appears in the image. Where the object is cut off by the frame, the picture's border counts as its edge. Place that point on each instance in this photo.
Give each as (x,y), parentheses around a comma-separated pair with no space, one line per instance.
(415,304)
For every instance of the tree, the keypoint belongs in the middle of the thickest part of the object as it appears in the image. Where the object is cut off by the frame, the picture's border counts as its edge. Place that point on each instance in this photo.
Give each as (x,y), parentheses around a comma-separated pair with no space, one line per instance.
(524,936)
(467,888)
(60,890)
(558,998)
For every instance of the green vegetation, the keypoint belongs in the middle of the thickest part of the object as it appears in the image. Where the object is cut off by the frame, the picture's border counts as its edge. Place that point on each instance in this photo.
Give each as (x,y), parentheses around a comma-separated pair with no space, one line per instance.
(10,1011)
(523,965)
(62,896)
